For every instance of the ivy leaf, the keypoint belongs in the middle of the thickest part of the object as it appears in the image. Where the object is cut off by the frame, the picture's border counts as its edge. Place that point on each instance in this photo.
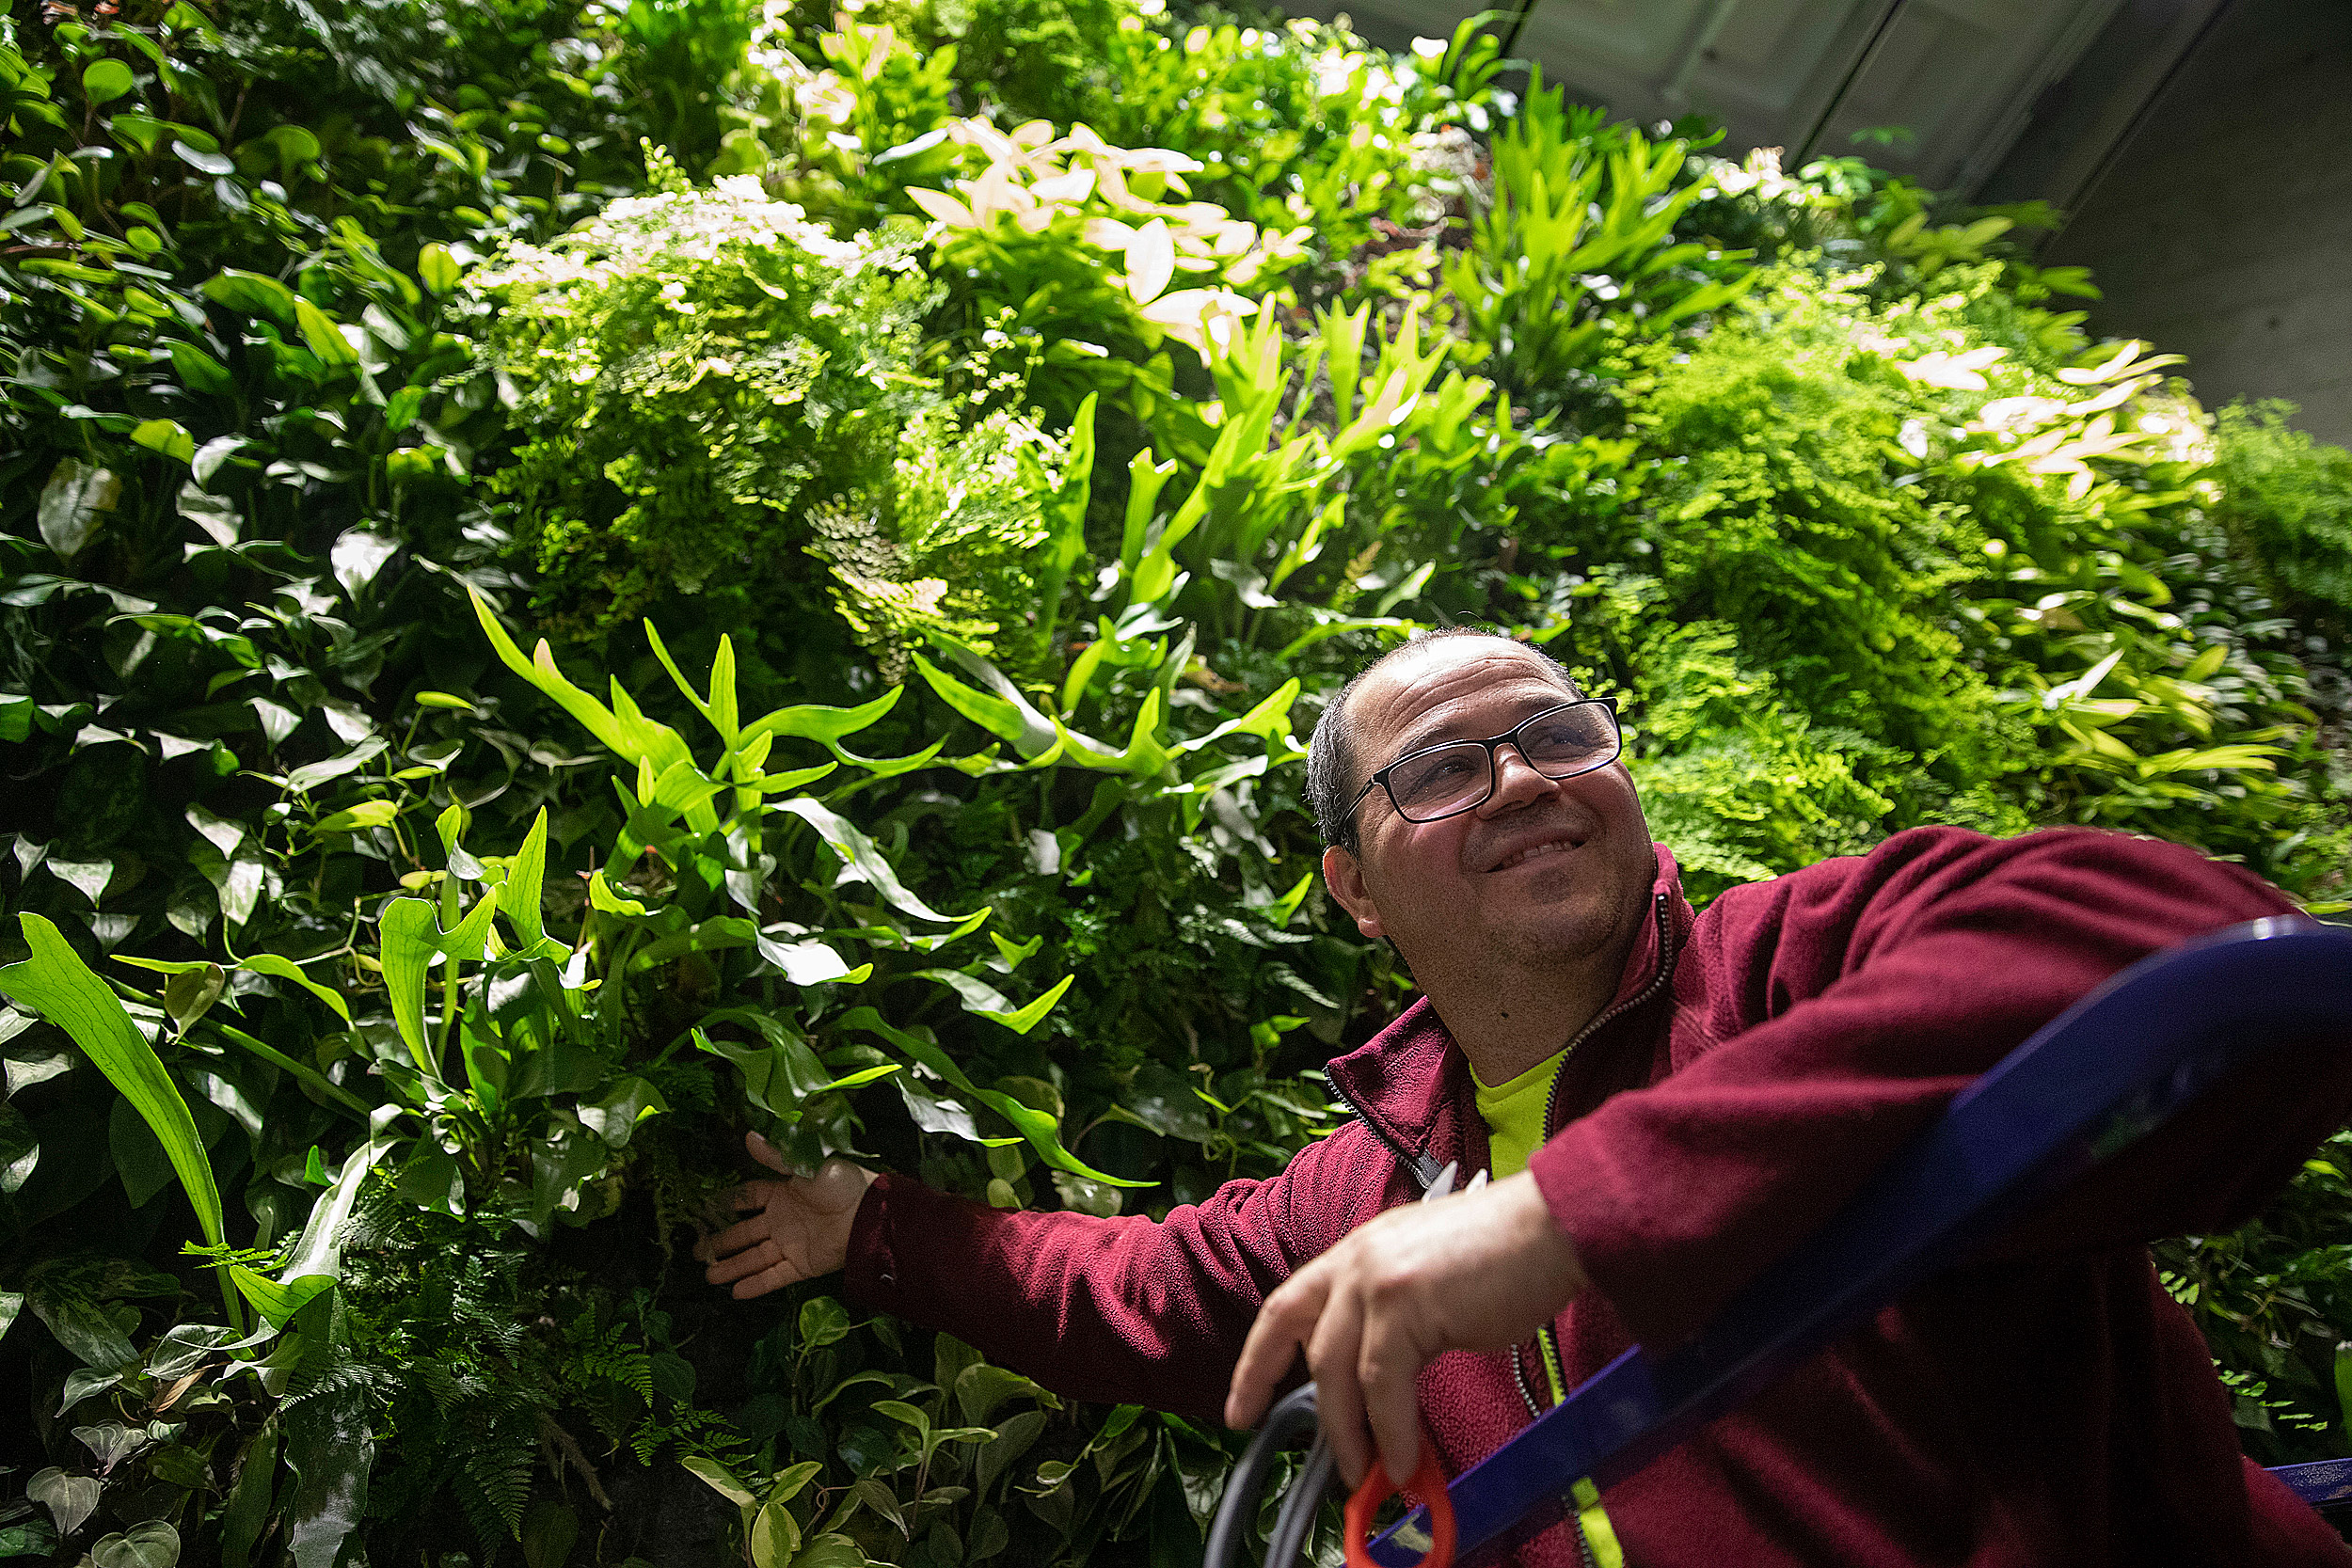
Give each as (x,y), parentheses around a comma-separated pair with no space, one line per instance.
(775,1536)
(190,994)
(168,437)
(437,266)
(104,81)
(152,1545)
(311,775)
(367,814)
(249,292)
(215,514)
(74,504)
(357,556)
(201,161)
(68,1499)
(199,371)
(213,453)
(326,338)
(19,1149)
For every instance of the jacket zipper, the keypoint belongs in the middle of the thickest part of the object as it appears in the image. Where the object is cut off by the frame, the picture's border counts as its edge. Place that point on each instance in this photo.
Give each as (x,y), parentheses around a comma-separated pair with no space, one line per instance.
(1421,1167)
(1423,1170)
(1547,1345)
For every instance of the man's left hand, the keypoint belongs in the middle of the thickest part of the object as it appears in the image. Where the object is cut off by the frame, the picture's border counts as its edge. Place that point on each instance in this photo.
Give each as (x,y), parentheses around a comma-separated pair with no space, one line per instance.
(1477,1272)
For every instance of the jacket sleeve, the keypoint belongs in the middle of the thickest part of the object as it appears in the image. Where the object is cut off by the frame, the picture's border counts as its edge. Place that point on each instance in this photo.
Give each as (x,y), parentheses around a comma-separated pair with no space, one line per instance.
(1845,1004)
(1122,1310)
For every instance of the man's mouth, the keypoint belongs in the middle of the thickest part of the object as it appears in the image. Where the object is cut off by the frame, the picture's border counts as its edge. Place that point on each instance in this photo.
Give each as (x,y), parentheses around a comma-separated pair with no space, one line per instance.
(1557,845)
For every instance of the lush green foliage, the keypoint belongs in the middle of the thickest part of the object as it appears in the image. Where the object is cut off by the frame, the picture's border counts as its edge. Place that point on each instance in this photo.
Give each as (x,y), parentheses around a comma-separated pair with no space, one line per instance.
(1050,401)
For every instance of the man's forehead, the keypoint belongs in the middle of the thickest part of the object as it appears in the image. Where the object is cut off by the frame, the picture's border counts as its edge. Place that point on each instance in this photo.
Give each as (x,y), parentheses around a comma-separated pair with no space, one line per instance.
(1453,687)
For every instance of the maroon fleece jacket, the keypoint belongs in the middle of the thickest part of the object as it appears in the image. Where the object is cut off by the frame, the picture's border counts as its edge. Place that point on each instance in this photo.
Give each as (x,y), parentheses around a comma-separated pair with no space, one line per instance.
(2045,1404)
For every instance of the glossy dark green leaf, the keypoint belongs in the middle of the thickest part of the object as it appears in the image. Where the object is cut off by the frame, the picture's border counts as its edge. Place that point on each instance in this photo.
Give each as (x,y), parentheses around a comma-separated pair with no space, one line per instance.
(75,505)
(104,81)
(201,161)
(57,984)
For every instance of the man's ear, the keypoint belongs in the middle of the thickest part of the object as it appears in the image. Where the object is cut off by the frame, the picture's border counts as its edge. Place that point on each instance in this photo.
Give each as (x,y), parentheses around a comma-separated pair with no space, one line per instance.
(1345,877)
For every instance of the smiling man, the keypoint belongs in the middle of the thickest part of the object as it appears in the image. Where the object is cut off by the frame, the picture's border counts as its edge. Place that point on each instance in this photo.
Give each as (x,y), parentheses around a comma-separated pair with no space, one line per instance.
(1667,1102)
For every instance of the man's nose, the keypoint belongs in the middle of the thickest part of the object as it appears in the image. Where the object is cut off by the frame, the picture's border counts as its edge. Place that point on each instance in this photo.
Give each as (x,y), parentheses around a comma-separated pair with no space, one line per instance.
(1516,783)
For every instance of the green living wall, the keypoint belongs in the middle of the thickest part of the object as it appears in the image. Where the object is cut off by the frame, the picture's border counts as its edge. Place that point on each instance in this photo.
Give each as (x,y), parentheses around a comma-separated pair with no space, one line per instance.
(580,578)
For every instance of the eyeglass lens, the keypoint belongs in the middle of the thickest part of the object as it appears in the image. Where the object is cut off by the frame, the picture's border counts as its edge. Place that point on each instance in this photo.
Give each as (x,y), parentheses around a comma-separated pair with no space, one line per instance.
(1451,778)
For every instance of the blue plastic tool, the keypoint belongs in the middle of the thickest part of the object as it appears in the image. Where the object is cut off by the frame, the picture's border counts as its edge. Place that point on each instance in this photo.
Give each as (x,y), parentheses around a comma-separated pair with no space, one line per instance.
(2108,1070)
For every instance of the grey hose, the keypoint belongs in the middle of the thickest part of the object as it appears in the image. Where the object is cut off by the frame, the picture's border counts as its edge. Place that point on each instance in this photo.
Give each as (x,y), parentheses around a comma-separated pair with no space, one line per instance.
(1293,1415)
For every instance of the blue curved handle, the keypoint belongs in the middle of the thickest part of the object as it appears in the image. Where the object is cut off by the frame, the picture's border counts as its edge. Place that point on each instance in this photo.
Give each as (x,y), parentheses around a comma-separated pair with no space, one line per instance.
(2115,1064)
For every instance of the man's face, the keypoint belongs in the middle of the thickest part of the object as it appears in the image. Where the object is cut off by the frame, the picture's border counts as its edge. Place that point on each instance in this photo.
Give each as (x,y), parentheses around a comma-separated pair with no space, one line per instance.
(1543,871)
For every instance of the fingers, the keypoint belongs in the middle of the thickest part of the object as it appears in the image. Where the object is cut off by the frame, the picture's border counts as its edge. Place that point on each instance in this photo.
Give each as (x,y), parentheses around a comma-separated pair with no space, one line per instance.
(1333,1356)
(749,1261)
(774,1277)
(755,1196)
(735,1238)
(1388,1363)
(1283,1324)
(766,1153)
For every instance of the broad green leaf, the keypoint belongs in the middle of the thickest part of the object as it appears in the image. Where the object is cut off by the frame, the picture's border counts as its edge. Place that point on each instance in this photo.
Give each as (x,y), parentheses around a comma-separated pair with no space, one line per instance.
(168,437)
(437,268)
(74,505)
(720,1479)
(823,1322)
(55,983)
(827,725)
(329,1444)
(1033,1125)
(59,1295)
(1001,710)
(252,293)
(525,874)
(276,1302)
(190,994)
(104,81)
(249,1506)
(218,516)
(407,938)
(809,962)
(988,1002)
(311,775)
(614,1116)
(775,1536)
(833,1551)
(203,160)
(540,671)
(68,1499)
(367,814)
(326,338)
(859,852)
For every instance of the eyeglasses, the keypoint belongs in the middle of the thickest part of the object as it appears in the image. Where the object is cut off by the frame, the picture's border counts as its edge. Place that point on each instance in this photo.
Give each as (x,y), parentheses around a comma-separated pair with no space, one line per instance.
(1446,780)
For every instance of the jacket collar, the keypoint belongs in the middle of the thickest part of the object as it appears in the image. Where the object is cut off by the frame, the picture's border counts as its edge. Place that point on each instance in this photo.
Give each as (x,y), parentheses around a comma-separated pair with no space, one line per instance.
(1410,1081)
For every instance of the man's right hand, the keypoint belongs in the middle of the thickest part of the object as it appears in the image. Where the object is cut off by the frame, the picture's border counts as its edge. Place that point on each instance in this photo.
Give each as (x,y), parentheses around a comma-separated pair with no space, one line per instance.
(799,1226)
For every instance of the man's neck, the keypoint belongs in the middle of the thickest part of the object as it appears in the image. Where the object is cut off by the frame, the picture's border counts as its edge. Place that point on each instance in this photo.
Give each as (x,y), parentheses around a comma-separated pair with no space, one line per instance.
(1513,1015)
(1506,1024)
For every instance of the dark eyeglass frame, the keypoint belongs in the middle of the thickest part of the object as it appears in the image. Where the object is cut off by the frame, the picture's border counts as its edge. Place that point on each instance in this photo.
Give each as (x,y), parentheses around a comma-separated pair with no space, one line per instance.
(1494,767)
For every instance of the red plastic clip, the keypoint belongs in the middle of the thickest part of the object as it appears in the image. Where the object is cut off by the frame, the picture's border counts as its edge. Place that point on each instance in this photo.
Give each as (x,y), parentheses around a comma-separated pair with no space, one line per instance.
(1427,1488)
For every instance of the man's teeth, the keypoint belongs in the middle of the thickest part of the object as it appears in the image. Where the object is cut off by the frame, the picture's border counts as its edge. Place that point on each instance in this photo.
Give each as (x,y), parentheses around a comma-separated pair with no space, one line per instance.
(1548,847)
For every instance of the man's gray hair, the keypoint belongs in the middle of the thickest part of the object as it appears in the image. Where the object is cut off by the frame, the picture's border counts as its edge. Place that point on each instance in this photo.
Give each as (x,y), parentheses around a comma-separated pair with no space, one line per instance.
(1334,771)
